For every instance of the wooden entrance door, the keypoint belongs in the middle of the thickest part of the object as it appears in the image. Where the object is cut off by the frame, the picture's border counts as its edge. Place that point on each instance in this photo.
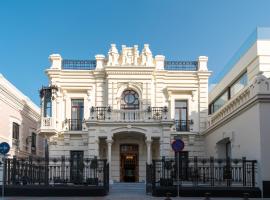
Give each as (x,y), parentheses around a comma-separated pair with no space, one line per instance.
(129,159)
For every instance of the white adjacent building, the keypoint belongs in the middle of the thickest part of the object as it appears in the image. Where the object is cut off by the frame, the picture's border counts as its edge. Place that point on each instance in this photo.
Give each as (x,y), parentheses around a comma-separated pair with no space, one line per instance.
(239,108)
(19,122)
(126,107)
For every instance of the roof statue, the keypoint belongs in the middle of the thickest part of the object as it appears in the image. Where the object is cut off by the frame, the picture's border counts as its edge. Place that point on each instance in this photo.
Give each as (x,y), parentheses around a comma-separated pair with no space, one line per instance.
(130,56)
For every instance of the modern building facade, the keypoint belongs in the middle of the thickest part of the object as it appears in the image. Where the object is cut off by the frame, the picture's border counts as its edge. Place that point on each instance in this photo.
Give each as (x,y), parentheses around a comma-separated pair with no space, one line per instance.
(126,107)
(19,121)
(239,105)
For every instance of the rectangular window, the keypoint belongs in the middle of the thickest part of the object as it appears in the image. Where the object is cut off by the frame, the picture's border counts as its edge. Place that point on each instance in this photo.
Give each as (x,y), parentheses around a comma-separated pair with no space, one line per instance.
(77,114)
(239,84)
(181,115)
(15,131)
(34,139)
(220,101)
(47,110)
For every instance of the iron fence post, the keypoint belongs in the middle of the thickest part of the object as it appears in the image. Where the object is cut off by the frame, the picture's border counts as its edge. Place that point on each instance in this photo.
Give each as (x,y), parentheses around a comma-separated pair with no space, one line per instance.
(253,172)
(196,171)
(30,169)
(154,176)
(13,175)
(212,175)
(46,163)
(244,171)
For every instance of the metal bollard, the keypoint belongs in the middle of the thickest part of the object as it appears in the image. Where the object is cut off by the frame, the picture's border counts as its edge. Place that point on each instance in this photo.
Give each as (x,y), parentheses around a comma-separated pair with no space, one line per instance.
(168,196)
(245,196)
(207,196)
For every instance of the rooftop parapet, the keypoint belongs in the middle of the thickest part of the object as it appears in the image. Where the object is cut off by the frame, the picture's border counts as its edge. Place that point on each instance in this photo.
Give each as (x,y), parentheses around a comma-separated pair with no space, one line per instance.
(128,57)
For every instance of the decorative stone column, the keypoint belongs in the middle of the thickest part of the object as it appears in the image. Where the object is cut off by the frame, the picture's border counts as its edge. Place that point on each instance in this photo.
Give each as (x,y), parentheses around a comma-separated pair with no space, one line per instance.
(109,158)
(149,151)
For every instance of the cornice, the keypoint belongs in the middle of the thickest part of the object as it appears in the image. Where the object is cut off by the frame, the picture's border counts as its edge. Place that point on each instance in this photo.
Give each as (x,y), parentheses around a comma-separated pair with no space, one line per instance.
(259,98)
(18,104)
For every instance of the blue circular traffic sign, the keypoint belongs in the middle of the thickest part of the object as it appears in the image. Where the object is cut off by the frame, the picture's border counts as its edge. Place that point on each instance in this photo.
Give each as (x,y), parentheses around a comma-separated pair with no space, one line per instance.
(4,148)
(178,145)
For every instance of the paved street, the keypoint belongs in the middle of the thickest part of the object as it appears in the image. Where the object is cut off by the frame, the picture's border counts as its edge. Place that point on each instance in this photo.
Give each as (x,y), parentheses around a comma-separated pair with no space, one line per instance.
(119,197)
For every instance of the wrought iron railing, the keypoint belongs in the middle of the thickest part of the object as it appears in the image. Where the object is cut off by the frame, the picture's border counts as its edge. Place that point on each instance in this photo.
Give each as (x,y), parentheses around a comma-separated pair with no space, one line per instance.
(78,64)
(183,125)
(181,65)
(56,170)
(74,124)
(199,172)
(106,113)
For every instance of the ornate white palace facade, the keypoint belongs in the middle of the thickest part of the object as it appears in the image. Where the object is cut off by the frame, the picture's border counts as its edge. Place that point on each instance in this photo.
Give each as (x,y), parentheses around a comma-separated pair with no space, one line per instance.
(126,107)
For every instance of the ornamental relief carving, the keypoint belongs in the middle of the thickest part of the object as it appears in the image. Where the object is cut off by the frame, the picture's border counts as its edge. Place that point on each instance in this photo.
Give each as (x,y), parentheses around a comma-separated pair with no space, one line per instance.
(130,56)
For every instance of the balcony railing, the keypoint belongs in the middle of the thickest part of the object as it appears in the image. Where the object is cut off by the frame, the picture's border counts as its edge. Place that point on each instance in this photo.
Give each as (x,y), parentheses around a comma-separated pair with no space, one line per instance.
(74,124)
(46,122)
(183,125)
(106,113)
(79,64)
(181,65)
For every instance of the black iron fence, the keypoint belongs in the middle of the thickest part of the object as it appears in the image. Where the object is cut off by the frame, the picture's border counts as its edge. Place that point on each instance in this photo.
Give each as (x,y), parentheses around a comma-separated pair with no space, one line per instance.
(56,171)
(78,64)
(201,172)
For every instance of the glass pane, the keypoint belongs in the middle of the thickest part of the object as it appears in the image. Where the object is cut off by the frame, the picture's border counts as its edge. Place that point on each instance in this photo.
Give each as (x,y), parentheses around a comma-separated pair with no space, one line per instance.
(239,84)
(181,103)
(220,101)
(77,108)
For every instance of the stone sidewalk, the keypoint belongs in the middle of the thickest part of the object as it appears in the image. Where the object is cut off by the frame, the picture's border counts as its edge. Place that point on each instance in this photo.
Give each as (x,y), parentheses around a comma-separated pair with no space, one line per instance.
(122,197)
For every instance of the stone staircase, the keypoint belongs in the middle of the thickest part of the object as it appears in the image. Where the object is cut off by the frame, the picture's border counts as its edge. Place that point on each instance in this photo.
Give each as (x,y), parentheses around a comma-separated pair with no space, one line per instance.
(128,188)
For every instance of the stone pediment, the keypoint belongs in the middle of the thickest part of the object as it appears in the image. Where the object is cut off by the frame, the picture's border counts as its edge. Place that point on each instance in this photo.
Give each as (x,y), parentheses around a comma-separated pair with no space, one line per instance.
(130,56)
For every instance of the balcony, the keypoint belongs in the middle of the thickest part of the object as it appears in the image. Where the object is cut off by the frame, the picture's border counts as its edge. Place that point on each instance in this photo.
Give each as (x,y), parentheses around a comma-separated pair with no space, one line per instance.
(150,114)
(183,125)
(46,123)
(47,126)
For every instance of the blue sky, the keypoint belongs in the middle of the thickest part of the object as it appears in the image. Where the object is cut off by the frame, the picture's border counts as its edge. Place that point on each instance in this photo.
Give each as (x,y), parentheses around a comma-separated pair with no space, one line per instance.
(79,29)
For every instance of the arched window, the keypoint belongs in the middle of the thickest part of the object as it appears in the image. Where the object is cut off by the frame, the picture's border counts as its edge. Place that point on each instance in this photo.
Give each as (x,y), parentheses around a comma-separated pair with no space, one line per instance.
(130,100)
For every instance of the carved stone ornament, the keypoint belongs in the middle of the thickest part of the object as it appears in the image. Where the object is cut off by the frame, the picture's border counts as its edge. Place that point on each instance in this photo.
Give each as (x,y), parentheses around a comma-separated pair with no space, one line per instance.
(130,56)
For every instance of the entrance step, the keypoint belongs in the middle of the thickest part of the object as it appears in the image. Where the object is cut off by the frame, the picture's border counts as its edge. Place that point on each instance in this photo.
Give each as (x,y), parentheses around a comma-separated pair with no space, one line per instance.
(128,188)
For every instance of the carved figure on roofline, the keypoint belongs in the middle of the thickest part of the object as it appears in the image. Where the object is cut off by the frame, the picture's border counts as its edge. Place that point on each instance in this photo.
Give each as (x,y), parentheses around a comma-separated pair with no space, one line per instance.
(113,55)
(136,55)
(146,56)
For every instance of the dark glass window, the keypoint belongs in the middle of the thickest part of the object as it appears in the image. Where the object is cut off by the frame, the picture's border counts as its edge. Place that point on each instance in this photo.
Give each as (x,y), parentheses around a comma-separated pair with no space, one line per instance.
(220,101)
(77,109)
(181,115)
(130,100)
(47,111)
(34,139)
(239,84)
(77,114)
(15,131)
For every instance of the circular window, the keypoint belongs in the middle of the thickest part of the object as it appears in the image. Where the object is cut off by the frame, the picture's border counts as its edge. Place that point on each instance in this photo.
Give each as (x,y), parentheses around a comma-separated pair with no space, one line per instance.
(130,100)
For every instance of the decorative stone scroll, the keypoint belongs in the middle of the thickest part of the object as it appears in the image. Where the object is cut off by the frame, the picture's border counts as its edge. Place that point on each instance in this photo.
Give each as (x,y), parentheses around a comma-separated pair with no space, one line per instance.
(130,56)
